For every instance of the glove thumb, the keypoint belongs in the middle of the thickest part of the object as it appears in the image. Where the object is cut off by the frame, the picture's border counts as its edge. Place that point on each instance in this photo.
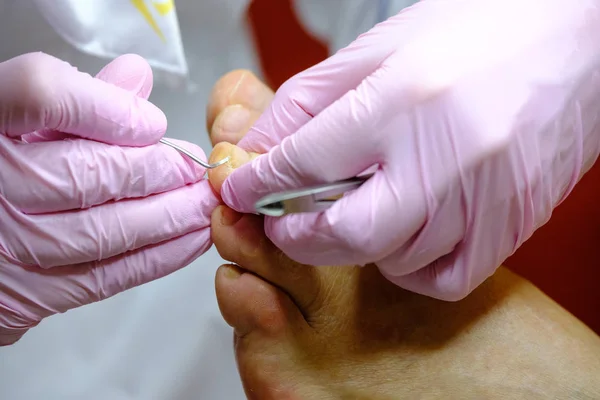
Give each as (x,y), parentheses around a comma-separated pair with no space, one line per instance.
(130,72)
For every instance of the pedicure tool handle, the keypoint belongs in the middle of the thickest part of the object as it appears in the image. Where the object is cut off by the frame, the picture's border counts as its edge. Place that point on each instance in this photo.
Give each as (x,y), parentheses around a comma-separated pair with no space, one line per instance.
(312,199)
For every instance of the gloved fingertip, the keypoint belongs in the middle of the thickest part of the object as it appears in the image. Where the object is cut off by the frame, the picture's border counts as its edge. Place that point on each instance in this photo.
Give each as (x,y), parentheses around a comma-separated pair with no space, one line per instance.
(150,127)
(441,280)
(130,72)
(133,74)
(237,193)
(236,190)
(229,197)
(11,336)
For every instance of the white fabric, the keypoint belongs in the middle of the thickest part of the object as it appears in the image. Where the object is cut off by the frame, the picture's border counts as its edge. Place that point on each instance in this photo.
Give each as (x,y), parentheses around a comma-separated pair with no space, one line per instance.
(339,22)
(108,28)
(165,340)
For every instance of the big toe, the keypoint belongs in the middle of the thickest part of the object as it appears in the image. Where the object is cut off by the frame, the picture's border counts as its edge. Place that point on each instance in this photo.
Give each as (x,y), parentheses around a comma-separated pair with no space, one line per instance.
(236,102)
(247,301)
(250,304)
(241,239)
(266,324)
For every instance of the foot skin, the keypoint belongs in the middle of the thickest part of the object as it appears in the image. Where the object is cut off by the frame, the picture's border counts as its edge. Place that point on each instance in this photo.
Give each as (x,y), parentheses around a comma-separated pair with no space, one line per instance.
(236,101)
(305,332)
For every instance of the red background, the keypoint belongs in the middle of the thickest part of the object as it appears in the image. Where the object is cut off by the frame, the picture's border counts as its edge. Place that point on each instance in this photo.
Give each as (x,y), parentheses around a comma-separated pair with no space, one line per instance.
(562,258)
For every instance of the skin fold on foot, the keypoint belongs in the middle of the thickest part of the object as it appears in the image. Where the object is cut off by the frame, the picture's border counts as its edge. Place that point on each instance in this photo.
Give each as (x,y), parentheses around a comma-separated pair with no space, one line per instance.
(304,332)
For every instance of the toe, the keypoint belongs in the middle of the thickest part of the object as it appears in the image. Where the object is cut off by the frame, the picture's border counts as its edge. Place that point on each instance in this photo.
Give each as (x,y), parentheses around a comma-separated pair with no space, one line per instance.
(250,304)
(268,329)
(221,94)
(232,124)
(239,88)
(240,239)
(237,157)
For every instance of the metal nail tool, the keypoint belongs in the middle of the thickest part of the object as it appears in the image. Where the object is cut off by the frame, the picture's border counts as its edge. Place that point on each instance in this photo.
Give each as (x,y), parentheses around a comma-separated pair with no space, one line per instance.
(192,156)
(312,199)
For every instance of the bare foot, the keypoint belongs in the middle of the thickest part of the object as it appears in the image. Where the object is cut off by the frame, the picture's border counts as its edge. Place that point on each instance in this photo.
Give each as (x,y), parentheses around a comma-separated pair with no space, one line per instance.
(348,333)
(236,101)
(305,332)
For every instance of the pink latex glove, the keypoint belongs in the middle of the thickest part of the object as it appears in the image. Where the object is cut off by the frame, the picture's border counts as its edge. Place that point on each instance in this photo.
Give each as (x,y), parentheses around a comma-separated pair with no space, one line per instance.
(479,116)
(84,220)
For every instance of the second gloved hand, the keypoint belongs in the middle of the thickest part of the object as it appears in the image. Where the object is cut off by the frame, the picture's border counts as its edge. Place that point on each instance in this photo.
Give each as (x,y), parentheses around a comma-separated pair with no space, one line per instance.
(478,117)
(83,220)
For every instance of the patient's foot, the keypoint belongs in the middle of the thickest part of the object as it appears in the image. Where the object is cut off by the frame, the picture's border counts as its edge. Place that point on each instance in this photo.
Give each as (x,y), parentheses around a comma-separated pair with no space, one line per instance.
(236,101)
(347,333)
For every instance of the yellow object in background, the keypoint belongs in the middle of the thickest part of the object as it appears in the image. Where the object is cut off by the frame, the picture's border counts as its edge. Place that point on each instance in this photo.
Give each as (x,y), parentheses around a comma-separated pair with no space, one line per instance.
(162,7)
(109,28)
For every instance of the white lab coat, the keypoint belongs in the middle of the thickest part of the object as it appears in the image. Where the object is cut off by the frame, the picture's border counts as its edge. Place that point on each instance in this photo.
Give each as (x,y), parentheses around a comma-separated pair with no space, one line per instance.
(166,339)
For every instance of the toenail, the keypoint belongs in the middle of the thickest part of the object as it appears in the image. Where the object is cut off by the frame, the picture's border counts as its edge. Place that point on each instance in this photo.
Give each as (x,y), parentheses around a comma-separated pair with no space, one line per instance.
(229,216)
(237,157)
(251,92)
(231,271)
(233,119)
(238,84)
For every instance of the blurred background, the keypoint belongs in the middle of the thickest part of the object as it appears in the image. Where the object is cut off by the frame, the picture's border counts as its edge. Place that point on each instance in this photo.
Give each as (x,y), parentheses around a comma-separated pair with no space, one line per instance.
(562,258)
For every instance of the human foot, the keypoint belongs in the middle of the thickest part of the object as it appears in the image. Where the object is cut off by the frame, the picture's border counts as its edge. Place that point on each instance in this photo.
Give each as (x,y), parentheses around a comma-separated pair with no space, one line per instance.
(235,103)
(347,333)
(331,332)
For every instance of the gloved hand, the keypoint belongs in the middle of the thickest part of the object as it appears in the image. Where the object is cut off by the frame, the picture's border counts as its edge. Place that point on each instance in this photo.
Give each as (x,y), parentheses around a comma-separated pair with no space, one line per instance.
(84,220)
(478,116)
